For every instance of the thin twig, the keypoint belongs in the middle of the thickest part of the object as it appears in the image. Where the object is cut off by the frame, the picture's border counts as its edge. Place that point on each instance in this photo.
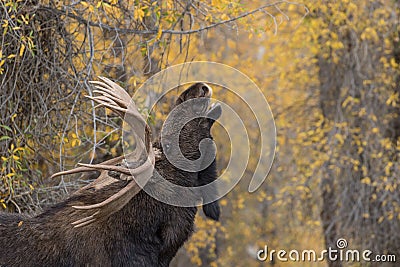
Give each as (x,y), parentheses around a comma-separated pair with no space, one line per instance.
(155,31)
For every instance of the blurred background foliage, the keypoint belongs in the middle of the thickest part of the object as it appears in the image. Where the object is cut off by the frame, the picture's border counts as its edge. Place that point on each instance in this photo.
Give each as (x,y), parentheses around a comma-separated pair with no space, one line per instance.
(329,69)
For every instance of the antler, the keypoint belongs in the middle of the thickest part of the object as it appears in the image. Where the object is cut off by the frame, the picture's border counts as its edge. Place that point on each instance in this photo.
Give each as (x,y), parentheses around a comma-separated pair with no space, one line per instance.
(114,97)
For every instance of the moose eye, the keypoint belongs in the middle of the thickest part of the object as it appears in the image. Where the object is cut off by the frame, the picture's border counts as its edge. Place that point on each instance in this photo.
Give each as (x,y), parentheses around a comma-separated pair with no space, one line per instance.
(200,106)
(167,147)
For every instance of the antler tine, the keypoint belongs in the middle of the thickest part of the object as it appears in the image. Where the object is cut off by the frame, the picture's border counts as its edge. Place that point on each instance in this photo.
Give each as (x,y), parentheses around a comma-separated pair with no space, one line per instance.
(116,201)
(115,97)
(109,104)
(108,96)
(116,92)
(119,169)
(105,167)
(85,221)
(118,195)
(88,169)
(113,203)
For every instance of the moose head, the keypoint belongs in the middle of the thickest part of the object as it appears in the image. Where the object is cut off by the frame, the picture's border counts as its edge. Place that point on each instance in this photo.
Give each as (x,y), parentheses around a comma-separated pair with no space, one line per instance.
(184,154)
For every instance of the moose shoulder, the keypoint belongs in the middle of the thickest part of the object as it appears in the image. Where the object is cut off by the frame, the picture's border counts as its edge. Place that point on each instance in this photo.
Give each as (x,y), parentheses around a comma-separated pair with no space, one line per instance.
(111,221)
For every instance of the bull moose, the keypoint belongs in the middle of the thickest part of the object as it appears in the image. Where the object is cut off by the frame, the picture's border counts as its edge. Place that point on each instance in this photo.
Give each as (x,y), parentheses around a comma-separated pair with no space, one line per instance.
(112,221)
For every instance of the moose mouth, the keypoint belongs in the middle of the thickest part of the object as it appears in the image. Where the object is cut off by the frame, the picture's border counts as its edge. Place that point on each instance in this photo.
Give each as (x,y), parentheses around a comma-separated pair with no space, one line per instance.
(212,111)
(205,109)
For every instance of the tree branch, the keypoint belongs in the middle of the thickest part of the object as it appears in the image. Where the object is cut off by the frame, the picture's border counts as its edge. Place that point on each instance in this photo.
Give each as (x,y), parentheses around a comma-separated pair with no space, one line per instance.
(65,12)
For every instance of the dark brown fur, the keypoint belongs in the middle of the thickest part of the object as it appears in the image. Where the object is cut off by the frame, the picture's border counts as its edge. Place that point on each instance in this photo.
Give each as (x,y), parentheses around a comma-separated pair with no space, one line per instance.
(145,232)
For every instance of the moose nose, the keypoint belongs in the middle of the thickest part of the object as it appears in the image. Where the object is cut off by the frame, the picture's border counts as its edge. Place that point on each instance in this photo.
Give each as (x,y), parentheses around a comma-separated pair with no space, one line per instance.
(205,90)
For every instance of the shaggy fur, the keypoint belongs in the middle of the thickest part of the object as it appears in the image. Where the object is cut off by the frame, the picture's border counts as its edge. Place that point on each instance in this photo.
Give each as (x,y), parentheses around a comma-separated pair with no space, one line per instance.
(145,232)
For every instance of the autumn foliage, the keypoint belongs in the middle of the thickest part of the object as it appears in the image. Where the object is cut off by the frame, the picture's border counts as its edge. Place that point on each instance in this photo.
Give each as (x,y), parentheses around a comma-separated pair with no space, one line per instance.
(329,69)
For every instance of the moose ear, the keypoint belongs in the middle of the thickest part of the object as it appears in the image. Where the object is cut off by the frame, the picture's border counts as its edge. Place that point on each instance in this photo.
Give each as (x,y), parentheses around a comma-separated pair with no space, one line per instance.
(214,113)
(212,210)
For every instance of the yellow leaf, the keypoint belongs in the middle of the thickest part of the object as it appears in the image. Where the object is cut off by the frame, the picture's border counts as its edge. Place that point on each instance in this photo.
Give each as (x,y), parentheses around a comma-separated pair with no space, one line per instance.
(392,99)
(337,45)
(106,5)
(138,14)
(26,20)
(21,50)
(393,63)
(340,138)
(388,168)
(20,223)
(18,149)
(159,33)
(13,117)
(75,142)
(223,202)
(224,17)
(366,180)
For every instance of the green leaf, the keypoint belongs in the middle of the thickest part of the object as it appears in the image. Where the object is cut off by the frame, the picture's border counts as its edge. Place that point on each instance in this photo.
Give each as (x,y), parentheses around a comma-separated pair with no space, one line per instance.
(6,127)
(4,137)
